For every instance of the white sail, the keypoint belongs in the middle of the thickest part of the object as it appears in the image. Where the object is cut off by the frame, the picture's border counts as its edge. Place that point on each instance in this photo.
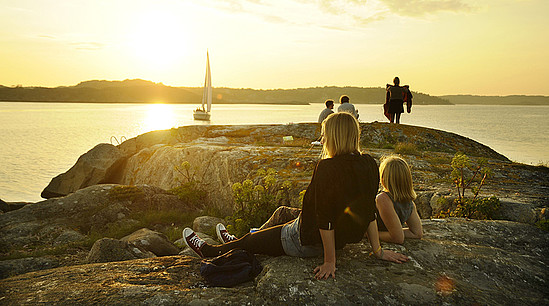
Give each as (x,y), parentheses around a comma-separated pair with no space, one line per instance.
(207,94)
(203,113)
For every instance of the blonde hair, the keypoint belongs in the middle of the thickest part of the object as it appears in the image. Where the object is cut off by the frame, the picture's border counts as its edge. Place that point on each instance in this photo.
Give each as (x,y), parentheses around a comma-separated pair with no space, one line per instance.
(397,178)
(341,133)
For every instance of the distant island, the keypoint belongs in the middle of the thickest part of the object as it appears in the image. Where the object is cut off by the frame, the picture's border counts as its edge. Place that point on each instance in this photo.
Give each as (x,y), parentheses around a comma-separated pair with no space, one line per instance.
(497,100)
(142,91)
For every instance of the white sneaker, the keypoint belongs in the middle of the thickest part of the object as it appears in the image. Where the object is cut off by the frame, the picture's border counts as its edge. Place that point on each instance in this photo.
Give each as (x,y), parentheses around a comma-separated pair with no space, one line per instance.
(222,233)
(193,241)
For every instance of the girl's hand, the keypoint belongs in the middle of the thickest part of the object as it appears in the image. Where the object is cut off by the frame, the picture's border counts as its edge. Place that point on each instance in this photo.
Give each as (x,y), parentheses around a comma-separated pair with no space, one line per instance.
(325,270)
(389,255)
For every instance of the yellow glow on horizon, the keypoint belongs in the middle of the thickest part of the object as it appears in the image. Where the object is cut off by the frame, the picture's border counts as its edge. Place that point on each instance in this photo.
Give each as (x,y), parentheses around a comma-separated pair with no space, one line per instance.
(159,117)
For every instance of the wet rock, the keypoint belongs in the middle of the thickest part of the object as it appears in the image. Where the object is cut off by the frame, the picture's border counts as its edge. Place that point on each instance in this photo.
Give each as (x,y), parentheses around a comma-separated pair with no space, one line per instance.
(151,241)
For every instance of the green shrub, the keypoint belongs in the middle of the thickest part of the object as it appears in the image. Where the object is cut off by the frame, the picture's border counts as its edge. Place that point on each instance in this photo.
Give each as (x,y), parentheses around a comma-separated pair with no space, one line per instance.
(468,176)
(479,208)
(254,203)
(190,192)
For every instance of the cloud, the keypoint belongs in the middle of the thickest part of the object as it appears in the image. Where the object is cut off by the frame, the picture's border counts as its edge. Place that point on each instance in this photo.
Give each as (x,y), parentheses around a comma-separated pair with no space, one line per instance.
(418,8)
(336,14)
(88,45)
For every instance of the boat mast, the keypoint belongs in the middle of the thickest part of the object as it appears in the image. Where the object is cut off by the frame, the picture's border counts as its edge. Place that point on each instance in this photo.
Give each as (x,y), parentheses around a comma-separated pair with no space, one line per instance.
(207,94)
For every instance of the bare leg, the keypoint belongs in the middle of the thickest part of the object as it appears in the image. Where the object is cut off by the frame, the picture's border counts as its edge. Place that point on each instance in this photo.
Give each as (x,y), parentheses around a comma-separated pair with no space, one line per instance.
(282,215)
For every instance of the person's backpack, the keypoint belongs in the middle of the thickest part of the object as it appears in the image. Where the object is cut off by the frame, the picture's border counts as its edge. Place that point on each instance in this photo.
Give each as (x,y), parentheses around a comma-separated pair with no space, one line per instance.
(230,269)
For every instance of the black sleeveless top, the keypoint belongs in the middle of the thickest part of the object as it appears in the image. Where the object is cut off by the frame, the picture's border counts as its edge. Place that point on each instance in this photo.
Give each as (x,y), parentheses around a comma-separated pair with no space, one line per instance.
(403,210)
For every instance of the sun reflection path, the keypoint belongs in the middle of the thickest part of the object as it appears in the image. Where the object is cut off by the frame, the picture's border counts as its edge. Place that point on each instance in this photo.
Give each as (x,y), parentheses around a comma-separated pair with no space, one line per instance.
(159,117)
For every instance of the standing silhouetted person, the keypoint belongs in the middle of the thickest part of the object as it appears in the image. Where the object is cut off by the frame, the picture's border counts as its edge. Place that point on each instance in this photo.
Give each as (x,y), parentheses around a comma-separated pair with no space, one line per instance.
(346,106)
(396,95)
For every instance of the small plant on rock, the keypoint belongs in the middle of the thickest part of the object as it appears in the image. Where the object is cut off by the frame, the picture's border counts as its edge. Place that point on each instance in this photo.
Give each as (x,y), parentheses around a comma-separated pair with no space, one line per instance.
(255,202)
(468,176)
(190,189)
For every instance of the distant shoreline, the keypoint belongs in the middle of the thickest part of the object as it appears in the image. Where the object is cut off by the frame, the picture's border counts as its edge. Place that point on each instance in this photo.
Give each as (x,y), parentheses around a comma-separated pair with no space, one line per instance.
(189,103)
(146,92)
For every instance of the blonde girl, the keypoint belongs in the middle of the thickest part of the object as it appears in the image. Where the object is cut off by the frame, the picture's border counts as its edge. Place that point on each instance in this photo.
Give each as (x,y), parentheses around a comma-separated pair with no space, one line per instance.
(397,215)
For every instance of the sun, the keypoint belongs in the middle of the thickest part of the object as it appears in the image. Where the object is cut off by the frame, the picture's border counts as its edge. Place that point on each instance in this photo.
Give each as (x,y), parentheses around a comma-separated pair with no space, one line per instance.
(158,38)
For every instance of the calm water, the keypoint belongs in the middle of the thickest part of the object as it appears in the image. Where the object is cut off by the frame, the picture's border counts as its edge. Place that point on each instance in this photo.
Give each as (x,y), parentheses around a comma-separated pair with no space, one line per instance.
(42,140)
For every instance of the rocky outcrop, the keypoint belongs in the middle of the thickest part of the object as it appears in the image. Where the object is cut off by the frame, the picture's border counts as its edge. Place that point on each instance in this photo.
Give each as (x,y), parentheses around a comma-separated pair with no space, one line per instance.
(97,166)
(69,220)
(458,262)
(223,155)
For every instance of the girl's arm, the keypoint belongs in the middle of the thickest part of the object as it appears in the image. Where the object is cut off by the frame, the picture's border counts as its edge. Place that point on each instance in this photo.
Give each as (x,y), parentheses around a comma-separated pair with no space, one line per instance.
(389,216)
(388,255)
(414,230)
(328,268)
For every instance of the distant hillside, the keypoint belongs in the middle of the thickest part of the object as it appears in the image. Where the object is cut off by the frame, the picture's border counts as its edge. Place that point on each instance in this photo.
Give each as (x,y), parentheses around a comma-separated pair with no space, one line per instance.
(141,91)
(358,95)
(497,100)
(130,91)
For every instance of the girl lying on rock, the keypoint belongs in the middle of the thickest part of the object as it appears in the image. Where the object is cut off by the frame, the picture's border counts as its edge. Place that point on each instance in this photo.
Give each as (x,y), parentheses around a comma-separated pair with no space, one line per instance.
(395,204)
(338,207)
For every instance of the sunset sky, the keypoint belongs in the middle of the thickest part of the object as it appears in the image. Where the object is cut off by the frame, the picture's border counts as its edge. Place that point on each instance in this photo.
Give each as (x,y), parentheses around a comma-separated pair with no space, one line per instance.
(488,47)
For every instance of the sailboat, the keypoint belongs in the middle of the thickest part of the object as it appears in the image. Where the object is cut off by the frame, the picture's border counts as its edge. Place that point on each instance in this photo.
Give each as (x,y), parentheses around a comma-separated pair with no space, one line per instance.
(203,112)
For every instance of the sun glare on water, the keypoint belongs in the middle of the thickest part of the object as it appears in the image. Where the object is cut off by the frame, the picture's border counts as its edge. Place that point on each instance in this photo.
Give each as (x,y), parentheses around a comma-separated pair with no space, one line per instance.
(159,117)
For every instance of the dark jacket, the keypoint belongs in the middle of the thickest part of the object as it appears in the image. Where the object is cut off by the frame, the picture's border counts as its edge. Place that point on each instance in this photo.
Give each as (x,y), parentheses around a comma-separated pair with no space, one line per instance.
(341,196)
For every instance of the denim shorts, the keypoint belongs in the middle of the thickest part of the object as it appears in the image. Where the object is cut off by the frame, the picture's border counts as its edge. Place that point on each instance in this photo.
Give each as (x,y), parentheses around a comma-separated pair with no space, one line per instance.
(292,244)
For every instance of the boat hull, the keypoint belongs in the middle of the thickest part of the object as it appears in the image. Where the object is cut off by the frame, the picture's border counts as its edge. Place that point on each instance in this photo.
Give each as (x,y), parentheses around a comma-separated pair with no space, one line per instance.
(201,115)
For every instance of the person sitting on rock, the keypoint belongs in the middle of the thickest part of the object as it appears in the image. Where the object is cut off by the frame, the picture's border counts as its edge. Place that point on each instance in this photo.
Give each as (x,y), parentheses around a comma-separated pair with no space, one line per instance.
(338,207)
(346,106)
(327,111)
(395,204)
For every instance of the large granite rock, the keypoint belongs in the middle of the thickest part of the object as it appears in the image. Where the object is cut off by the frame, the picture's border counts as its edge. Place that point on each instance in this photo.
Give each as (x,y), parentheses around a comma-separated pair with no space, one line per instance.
(458,262)
(223,155)
(99,165)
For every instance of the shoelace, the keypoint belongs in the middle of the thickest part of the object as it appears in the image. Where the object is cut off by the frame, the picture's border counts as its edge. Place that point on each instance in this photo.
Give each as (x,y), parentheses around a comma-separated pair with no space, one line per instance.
(227,237)
(195,241)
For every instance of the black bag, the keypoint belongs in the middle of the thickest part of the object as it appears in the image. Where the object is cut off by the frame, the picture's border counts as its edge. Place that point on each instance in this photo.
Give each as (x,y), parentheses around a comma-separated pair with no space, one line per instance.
(230,269)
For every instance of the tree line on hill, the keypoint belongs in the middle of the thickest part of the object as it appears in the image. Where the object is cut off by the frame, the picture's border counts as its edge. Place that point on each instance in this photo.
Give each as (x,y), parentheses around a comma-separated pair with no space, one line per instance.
(141,91)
